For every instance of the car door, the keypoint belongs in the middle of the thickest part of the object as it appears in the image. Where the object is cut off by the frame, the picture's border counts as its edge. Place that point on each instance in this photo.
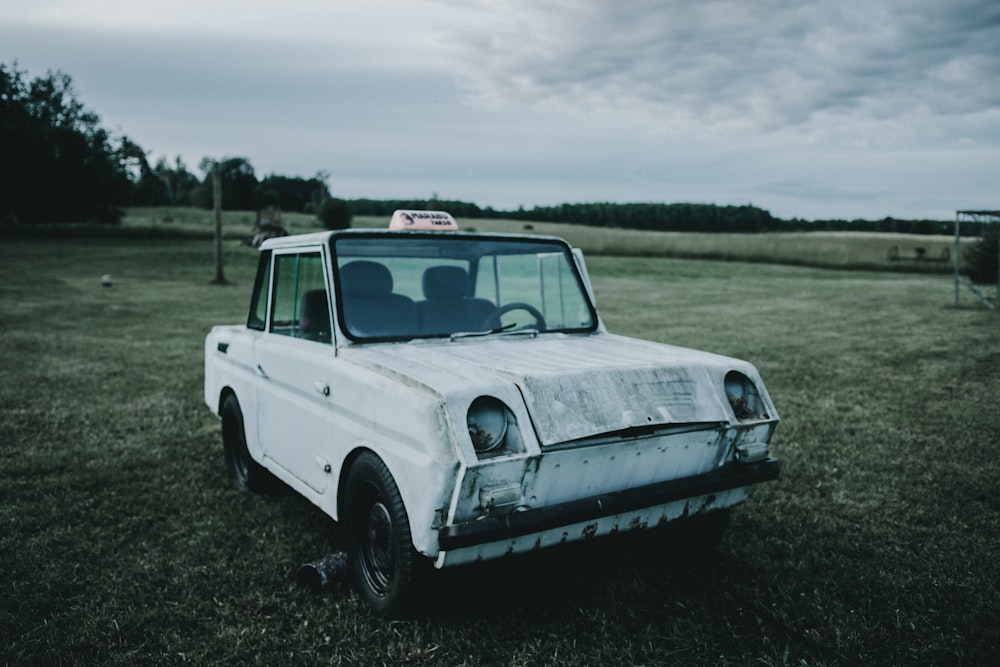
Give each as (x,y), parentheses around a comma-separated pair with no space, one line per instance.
(293,362)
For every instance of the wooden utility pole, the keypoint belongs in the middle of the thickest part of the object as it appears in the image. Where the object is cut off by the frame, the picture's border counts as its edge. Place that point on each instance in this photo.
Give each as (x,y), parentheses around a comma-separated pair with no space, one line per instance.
(217,199)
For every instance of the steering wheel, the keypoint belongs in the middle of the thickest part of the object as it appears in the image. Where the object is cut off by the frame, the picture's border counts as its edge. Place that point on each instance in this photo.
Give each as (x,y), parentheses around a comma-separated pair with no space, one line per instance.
(493,321)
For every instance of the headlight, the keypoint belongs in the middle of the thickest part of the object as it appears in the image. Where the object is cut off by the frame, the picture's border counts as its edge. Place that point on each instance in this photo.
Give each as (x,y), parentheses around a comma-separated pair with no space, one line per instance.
(487,421)
(744,397)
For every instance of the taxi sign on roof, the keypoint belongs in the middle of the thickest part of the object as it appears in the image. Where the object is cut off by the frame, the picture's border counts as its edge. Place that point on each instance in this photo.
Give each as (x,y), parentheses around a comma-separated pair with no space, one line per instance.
(423,220)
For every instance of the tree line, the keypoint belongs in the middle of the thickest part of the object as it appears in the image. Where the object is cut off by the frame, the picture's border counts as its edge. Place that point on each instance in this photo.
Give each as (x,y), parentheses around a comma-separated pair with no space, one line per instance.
(58,164)
(662,217)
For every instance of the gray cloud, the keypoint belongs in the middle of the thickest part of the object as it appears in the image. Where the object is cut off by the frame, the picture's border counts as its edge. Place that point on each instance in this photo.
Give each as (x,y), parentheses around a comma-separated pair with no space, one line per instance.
(773,63)
(822,109)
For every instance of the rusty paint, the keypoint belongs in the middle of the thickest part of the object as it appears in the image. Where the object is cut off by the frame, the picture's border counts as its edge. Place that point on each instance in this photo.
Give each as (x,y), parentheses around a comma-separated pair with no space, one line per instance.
(706,504)
(611,525)
(637,524)
(534,461)
(481,440)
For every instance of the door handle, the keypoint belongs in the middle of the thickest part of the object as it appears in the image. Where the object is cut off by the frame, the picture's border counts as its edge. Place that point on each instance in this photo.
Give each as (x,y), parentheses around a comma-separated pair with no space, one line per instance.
(322,388)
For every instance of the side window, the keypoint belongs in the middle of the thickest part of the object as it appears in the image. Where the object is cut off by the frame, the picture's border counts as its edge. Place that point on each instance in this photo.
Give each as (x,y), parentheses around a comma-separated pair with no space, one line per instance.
(562,300)
(299,306)
(258,301)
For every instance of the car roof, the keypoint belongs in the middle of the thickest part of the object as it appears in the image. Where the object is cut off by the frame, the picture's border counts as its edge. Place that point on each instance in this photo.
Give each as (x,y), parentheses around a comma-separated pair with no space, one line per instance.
(321,238)
(315,238)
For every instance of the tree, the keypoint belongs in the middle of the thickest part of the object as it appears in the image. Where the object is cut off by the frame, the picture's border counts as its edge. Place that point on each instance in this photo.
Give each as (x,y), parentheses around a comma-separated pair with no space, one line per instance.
(334,213)
(147,188)
(179,184)
(981,258)
(293,193)
(239,184)
(57,163)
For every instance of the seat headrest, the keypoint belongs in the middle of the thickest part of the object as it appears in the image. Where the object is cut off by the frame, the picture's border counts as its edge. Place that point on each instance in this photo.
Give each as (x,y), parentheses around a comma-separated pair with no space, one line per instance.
(315,315)
(445,282)
(364,278)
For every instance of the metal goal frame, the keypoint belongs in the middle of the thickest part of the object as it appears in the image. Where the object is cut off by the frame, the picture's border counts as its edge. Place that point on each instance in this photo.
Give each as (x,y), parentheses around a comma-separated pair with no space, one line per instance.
(987,217)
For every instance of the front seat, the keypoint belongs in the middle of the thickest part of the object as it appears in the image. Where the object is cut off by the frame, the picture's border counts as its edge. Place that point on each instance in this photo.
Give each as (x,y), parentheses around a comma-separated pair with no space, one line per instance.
(314,318)
(370,308)
(446,309)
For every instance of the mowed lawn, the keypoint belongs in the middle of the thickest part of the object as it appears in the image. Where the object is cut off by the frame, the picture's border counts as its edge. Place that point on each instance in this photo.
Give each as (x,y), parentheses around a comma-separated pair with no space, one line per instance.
(121,542)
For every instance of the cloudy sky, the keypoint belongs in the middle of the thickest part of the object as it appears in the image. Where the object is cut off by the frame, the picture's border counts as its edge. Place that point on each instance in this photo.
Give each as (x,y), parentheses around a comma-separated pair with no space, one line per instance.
(827,109)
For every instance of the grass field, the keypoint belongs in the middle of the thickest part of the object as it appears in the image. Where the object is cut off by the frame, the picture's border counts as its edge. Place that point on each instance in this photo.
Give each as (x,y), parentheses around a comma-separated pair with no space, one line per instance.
(851,250)
(121,542)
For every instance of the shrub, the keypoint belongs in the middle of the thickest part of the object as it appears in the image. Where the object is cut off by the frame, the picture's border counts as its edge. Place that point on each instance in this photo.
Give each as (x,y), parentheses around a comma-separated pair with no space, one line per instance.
(981,258)
(334,213)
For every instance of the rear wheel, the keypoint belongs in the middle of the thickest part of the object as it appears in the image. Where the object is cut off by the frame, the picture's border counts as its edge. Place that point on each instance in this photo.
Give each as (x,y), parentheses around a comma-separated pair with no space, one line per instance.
(244,473)
(382,560)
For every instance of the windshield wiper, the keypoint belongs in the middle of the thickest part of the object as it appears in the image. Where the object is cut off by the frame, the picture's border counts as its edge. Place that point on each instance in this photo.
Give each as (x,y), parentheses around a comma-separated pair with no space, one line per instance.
(476,334)
(525,331)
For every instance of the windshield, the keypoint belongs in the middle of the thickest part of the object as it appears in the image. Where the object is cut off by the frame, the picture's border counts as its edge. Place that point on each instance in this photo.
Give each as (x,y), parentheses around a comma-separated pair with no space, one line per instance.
(400,286)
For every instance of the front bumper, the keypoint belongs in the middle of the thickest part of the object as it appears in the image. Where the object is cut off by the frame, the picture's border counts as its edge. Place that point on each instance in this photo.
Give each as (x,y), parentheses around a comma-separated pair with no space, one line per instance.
(499,528)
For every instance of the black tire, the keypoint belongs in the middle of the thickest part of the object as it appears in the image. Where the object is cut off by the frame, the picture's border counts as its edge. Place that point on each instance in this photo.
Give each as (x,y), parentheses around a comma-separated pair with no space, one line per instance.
(381,558)
(244,473)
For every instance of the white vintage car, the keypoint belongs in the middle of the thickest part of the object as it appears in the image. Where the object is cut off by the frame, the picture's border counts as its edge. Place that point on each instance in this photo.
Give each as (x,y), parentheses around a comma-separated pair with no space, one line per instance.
(453,397)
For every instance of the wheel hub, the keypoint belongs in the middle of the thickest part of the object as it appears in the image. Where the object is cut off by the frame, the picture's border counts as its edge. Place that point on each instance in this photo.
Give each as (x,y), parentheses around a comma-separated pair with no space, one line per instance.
(378,551)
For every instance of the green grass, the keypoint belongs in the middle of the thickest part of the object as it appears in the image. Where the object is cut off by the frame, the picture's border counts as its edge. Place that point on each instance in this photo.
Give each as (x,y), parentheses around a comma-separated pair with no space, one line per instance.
(843,250)
(850,250)
(121,542)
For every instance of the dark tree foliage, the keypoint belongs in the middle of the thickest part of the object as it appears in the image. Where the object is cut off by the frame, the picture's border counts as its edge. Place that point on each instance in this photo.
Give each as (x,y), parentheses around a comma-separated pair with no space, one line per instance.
(982,259)
(884,225)
(334,213)
(292,193)
(178,185)
(660,217)
(241,191)
(385,207)
(239,185)
(57,164)
(146,185)
(655,216)
(161,184)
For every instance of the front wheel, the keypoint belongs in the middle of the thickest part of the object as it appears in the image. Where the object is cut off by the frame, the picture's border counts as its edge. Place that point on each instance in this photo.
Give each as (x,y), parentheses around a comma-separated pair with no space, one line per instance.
(381,557)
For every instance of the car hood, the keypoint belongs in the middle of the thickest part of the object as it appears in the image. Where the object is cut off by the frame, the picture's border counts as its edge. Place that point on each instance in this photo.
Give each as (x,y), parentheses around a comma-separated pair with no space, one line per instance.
(573,386)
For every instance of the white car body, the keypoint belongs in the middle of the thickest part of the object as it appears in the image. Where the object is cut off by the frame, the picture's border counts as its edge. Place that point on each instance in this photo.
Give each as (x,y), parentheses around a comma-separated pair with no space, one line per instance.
(601,433)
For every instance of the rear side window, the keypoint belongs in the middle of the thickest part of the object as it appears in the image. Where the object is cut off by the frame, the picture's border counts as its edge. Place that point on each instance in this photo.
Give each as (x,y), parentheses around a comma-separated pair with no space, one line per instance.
(257,318)
(299,304)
